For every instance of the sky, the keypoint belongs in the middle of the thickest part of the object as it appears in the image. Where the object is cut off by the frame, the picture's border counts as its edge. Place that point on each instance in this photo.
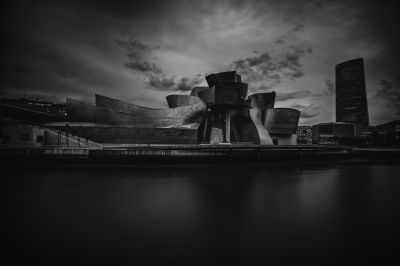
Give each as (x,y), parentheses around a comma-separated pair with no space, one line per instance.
(141,51)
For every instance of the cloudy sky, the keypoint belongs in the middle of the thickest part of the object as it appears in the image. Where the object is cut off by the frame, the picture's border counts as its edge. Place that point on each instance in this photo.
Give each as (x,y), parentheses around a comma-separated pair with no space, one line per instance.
(141,51)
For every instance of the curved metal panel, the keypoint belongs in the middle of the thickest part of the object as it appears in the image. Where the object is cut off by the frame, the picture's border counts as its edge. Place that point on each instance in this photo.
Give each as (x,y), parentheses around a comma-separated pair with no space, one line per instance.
(282,120)
(263,134)
(207,96)
(229,76)
(120,106)
(262,100)
(247,127)
(196,90)
(179,100)
(116,112)
(230,92)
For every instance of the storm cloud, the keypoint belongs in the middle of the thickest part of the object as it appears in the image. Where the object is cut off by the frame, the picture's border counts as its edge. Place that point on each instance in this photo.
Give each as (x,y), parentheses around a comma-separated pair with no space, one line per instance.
(389,92)
(329,87)
(292,95)
(142,50)
(143,62)
(139,56)
(272,68)
(311,111)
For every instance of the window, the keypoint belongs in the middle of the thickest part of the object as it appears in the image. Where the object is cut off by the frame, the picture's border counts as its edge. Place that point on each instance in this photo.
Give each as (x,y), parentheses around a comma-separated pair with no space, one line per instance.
(39,139)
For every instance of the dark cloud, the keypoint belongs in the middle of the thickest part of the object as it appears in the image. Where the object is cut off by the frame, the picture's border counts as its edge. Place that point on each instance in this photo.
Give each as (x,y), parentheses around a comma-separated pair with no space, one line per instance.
(54,48)
(165,83)
(18,69)
(186,84)
(329,87)
(284,96)
(298,27)
(281,96)
(272,67)
(161,82)
(128,9)
(316,3)
(311,111)
(389,92)
(138,54)
(144,66)
(70,47)
(298,106)
(142,62)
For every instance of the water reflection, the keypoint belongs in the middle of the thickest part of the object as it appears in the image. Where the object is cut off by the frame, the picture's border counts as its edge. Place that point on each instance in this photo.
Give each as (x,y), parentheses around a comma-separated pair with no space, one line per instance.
(206,213)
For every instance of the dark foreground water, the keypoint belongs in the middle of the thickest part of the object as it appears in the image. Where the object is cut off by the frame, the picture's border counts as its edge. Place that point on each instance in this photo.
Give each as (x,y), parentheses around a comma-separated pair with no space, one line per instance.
(201,214)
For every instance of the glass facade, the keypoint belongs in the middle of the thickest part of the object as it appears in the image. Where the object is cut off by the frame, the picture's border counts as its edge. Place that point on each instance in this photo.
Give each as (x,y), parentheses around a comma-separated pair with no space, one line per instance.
(351,96)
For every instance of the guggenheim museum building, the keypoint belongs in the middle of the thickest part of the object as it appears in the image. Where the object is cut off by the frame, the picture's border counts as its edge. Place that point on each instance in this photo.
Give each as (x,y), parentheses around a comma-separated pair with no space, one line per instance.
(221,113)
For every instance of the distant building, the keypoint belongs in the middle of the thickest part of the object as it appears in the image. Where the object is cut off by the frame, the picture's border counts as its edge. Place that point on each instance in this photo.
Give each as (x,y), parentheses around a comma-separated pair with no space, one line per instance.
(12,133)
(304,135)
(387,134)
(330,133)
(351,96)
(37,105)
(391,127)
(20,134)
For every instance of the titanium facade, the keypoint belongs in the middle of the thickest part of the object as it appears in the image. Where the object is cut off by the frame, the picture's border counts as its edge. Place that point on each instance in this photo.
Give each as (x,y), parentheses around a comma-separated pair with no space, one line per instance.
(351,96)
(220,113)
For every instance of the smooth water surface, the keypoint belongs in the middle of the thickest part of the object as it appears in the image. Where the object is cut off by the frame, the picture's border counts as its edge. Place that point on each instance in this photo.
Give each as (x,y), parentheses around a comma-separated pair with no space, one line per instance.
(201,214)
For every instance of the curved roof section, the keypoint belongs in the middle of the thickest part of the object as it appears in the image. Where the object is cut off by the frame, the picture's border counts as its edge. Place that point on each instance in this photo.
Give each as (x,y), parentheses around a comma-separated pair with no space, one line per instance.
(229,92)
(281,120)
(179,100)
(356,61)
(116,112)
(119,106)
(262,100)
(196,90)
(230,76)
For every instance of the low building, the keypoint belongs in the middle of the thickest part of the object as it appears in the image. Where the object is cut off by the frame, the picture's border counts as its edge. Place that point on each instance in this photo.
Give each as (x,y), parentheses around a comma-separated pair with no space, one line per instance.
(21,135)
(17,134)
(387,134)
(304,135)
(332,133)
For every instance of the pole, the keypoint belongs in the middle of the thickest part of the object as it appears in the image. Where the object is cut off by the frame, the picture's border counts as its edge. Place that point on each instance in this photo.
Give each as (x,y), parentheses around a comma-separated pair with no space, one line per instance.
(228,126)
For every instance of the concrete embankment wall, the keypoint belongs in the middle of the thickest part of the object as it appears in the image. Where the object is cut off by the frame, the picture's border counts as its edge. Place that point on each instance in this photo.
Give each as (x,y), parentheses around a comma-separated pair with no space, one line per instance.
(132,135)
(142,154)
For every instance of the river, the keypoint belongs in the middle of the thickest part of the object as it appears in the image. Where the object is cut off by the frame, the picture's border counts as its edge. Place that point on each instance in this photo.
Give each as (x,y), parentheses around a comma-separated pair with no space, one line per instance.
(202,214)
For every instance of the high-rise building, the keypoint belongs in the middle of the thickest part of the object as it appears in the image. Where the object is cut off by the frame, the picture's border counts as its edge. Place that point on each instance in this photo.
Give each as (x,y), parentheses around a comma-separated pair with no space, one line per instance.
(351,95)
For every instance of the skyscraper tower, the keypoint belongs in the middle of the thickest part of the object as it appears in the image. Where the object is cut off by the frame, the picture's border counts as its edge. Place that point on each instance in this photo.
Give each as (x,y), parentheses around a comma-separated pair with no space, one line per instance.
(351,95)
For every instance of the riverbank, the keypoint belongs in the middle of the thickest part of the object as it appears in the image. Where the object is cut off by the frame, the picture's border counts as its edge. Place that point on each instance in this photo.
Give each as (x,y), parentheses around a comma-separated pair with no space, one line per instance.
(165,154)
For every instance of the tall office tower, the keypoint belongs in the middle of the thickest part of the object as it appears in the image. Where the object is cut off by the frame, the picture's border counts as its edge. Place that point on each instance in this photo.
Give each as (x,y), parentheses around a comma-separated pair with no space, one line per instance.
(351,96)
